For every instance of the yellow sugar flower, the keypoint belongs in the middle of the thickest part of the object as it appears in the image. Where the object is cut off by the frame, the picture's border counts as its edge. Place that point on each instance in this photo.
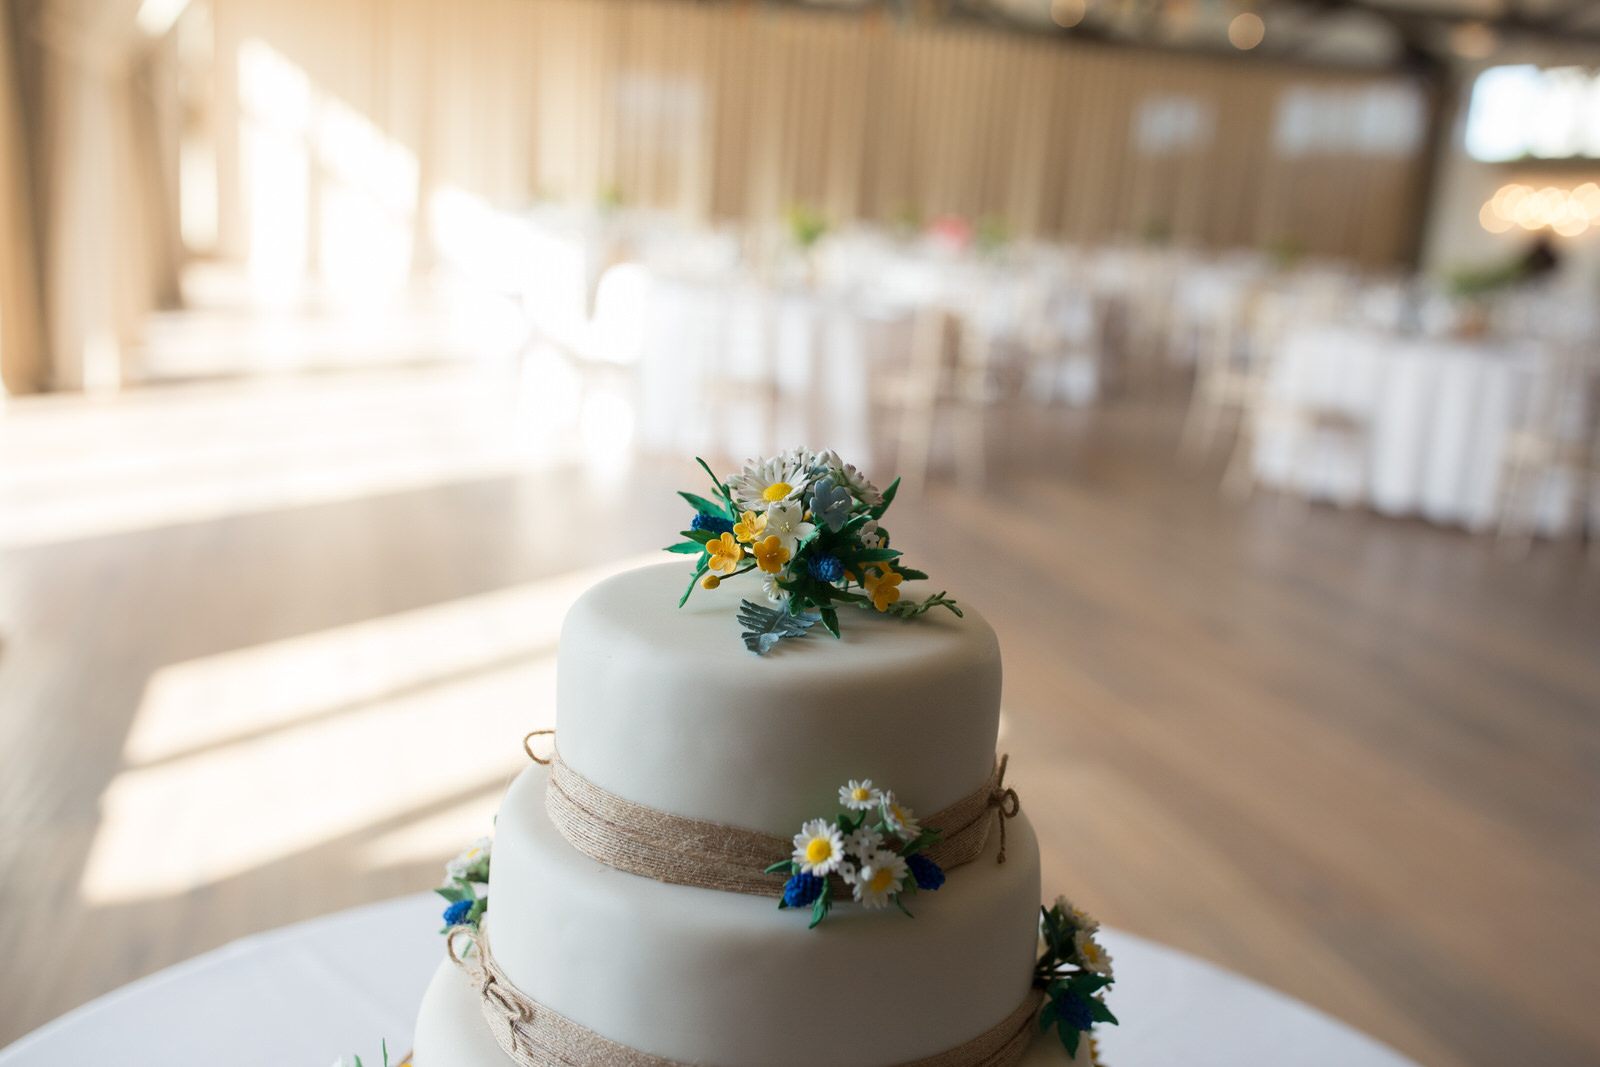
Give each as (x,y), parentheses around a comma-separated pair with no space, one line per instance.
(724,554)
(881,587)
(710,581)
(751,527)
(770,554)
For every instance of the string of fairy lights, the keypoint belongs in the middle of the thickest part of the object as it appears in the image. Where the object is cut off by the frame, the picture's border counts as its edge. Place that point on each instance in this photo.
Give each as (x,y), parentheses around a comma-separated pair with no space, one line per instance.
(1568,212)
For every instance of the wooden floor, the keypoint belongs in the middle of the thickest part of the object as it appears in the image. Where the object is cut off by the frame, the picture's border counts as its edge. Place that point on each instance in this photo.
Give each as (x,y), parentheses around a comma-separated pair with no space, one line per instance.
(1355,758)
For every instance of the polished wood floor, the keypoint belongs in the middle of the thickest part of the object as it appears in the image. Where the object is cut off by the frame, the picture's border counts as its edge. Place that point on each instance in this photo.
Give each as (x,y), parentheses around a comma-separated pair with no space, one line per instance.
(1355,758)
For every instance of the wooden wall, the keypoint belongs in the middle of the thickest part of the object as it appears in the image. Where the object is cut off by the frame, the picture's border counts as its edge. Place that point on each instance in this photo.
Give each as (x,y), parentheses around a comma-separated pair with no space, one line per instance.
(737,111)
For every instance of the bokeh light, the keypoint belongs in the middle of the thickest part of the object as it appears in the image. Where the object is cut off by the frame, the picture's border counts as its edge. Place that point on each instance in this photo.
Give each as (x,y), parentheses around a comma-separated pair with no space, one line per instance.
(1068,13)
(1566,212)
(1246,31)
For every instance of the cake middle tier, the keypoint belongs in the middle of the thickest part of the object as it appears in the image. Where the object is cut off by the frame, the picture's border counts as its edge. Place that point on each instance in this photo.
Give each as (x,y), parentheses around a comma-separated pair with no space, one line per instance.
(700,976)
(664,705)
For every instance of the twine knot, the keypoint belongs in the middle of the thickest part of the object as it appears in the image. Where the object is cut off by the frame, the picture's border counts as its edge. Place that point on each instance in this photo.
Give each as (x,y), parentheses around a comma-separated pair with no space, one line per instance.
(1004,800)
(527,746)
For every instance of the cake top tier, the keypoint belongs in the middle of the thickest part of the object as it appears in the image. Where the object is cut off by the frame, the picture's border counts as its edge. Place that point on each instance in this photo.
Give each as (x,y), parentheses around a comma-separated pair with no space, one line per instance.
(664,706)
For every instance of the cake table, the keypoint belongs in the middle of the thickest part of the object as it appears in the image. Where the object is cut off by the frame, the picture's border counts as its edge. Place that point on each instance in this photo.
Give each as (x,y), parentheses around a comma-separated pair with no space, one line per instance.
(303,995)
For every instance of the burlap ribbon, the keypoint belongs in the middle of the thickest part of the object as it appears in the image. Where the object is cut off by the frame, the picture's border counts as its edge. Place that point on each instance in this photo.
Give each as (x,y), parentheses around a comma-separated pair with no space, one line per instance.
(675,848)
(534,1036)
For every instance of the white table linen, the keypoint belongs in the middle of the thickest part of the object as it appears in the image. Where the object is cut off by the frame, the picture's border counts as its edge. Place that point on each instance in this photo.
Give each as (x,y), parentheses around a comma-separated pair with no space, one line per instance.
(1436,413)
(714,351)
(306,994)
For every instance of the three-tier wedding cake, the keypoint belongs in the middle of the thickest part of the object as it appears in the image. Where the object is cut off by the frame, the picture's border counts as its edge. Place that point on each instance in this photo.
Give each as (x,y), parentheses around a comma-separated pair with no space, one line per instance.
(649,901)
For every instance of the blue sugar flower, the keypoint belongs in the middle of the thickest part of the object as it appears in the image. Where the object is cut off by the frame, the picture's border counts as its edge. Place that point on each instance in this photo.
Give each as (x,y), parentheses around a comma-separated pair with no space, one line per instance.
(802,890)
(456,914)
(714,523)
(830,504)
(825,568)
(925,871)
(1074,1011)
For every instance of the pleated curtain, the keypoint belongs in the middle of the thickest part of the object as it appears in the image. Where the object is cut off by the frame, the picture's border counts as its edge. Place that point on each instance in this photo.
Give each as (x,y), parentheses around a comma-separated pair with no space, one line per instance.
(739,111)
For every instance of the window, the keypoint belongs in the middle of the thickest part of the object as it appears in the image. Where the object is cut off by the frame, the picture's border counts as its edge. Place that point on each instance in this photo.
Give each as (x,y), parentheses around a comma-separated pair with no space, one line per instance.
(1522,111)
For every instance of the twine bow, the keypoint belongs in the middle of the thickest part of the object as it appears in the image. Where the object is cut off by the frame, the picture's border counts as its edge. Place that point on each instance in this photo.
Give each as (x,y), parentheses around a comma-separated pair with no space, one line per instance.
(1004,800)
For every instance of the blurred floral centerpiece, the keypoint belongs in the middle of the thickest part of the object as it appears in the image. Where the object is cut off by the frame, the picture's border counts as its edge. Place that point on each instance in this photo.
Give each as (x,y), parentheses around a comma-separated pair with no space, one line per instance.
(806,226)
(809,525)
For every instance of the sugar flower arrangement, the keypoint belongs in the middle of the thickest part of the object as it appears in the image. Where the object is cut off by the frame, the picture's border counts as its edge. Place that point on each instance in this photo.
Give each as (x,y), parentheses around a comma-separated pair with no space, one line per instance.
(462,876)
(1074,972)
(875,847)
(809,523)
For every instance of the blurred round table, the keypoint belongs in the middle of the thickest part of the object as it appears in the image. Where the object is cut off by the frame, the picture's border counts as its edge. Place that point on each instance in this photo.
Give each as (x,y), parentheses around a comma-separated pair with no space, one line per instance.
(1433,414)
(309,993)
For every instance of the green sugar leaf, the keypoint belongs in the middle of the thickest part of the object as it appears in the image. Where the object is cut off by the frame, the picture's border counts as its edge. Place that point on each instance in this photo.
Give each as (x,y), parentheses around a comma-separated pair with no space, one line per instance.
(830,619)
(823,905)
(708,507)
(1069,1039)
(888,498)
(687,548)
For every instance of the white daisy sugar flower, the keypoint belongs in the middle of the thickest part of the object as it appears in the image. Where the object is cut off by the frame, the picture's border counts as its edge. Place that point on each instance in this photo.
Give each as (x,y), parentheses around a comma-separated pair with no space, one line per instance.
(777,595)
(863,842)
(860,795)
(769,481)
(1089,955)
(869,535)
(1081,919)
(901,820)
(849,476)
(818,848)
(880,877)
(470,857)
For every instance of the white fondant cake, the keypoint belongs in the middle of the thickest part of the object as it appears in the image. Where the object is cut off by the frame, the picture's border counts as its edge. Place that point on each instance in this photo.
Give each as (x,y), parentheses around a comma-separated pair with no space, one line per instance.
(665,707)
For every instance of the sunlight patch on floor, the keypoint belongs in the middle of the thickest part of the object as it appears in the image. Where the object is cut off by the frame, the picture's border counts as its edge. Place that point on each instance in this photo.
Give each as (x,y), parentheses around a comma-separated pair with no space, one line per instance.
(221,698)
(435,837)
(248,757)
(74,467)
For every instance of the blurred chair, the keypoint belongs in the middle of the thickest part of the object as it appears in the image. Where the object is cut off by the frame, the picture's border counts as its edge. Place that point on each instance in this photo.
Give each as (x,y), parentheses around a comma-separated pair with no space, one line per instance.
(1311,422)
(1063,347)
(606,349)
(743,376)
(948,368)
(1560,435)
(1227,375)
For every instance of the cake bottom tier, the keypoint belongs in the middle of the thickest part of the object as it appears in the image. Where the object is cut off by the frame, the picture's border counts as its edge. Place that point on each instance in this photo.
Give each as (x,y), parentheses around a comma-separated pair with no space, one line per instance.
(451,1031)
(700,976)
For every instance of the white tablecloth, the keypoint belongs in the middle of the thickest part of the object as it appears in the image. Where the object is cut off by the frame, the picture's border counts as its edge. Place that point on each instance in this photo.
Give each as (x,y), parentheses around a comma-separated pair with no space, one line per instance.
(711,348)
(303,995)
(1436,412)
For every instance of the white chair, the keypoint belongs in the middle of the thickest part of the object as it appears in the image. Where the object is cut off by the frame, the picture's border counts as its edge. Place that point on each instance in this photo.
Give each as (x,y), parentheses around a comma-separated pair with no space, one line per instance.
(1310,422)
(1559,436)
(948,368)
